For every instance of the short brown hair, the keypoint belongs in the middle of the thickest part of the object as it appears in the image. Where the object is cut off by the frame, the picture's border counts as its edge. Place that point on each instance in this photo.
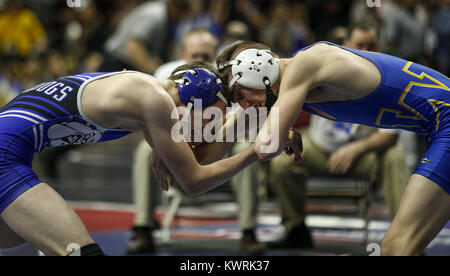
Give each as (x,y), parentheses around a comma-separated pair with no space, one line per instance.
(231,51)
(194,65)
(363,26)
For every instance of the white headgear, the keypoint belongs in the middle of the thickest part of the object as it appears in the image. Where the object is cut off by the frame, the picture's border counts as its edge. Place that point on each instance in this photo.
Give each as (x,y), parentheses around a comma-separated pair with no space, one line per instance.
(254,68)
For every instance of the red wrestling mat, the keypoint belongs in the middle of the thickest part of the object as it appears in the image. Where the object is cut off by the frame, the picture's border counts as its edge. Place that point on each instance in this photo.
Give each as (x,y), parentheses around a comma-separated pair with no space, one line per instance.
(105,220)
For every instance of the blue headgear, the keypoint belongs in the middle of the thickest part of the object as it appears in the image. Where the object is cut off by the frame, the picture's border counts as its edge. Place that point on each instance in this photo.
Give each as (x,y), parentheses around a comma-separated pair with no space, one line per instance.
(199,84)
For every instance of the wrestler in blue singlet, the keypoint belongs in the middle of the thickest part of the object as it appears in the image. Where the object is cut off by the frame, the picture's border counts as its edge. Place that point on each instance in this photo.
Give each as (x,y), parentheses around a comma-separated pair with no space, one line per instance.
(411,97)
(48,114)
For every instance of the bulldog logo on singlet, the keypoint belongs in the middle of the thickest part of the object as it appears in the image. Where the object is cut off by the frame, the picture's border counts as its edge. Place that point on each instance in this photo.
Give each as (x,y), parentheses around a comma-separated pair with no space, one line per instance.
(72,133)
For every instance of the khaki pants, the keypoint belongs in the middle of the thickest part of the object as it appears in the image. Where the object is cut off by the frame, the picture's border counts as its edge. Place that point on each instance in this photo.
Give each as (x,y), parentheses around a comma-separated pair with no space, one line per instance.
(145,188)
(245,187)
(388,170)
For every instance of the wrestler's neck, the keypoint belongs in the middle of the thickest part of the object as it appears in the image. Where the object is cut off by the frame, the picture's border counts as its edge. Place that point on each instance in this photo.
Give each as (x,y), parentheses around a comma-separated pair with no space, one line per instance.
(172,90)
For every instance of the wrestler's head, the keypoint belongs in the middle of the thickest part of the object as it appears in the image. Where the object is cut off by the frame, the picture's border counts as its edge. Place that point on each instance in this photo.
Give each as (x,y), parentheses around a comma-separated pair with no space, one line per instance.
(200,86)
(252,72)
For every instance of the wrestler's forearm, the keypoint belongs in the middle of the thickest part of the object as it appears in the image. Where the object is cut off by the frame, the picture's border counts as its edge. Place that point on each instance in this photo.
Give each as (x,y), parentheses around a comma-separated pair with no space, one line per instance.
(212,152)
(282,116)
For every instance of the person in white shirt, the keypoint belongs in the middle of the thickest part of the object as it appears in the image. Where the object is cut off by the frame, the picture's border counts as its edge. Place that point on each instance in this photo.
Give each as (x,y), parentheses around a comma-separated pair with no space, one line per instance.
(198,45)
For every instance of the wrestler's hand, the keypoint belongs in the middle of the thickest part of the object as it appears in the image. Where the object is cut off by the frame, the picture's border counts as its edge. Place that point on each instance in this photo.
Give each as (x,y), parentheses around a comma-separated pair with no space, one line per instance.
(294,145)
(342,159)
(160,170)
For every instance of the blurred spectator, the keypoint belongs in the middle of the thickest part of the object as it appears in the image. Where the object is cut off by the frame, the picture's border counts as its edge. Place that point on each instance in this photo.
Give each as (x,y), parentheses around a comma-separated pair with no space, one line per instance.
(88,28)
(440,25)
(92,62)
(245,187)
(252,13)
(198,45)
(55,66)
(403,28)
(338,35)
(140,41)
(32,72)
(327,14)
(198,16)
(361,12)
(234,31)
(363,36)
(285,31)
(21,32)
(10,86)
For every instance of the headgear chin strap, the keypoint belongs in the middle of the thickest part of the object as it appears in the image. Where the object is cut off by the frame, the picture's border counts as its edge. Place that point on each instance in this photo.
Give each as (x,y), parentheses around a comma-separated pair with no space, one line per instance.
(256,69)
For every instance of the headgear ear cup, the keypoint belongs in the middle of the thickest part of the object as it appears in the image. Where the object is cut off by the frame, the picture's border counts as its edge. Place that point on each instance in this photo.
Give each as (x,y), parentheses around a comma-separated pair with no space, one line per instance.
(252,66)
(200,84)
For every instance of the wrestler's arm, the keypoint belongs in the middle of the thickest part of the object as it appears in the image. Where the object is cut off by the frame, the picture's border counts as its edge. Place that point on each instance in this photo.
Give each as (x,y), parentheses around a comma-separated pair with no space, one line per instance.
(208,153)
(320,66)
(298,79)
(142,101)
(179,158)
(205,153)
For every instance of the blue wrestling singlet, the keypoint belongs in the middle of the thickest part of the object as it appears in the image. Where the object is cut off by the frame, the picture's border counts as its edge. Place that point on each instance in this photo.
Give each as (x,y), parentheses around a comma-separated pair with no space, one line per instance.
(411,97)
(47,115)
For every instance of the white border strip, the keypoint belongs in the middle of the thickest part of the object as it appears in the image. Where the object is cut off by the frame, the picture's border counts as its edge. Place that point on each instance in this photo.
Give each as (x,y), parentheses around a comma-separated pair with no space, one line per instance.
(22,117)
(25,112)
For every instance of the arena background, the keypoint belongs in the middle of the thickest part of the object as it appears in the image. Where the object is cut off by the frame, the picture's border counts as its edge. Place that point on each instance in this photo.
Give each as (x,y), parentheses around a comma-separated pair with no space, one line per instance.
(59,37)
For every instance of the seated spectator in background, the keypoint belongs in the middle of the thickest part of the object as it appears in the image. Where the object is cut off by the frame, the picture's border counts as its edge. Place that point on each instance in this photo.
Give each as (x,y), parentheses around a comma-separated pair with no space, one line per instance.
(338,149)
(55,65)
(234,31)
(440,25)
(10,86)
(140,40)
(196,17)
(198,45)
(338,35)
(402,25)
(21,33)
(282,34)
(32,72)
